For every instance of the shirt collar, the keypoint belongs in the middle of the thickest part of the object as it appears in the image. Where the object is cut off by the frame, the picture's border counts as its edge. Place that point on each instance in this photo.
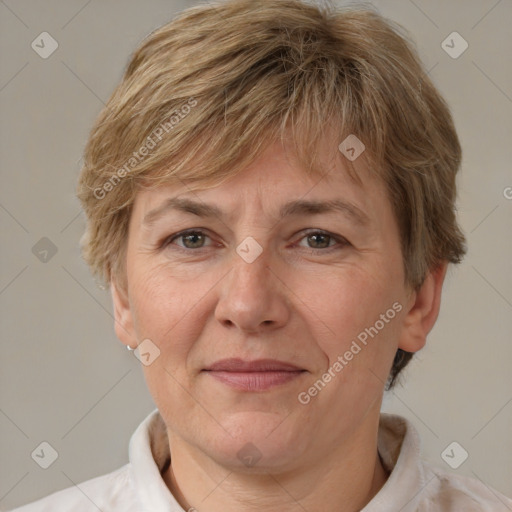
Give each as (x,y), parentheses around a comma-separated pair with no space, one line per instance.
(399,447)
(149,454)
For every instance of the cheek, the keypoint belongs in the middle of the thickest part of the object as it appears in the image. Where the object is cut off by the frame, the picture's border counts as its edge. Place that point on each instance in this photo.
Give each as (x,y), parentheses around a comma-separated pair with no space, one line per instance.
(153,304)
(169,310)
(165,311)
(356,306)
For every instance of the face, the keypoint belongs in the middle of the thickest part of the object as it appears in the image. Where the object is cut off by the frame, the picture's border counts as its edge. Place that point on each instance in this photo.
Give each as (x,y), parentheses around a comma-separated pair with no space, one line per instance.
(276,325)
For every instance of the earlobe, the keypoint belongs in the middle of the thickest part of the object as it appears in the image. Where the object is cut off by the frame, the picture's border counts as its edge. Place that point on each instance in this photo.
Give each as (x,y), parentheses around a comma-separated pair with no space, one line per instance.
(122,315)
(423,310)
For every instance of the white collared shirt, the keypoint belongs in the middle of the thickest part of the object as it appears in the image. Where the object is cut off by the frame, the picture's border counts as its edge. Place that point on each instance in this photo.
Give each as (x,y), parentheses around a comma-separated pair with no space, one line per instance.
(413,485)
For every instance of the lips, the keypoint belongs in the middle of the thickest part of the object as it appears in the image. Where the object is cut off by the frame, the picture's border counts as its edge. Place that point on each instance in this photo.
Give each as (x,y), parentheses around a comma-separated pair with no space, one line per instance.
(259,375)
(261,365)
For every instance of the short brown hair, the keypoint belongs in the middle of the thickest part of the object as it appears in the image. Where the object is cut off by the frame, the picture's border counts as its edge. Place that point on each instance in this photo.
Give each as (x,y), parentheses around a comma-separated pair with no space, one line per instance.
(225,80)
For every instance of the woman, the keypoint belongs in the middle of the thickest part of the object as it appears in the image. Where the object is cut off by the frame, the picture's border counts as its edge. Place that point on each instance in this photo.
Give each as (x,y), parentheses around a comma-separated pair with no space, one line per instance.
(270,196)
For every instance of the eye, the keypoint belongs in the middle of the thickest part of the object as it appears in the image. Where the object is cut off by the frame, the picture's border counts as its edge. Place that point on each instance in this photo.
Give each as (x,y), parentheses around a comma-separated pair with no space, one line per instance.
(191,239)
(195,239)
(322,240)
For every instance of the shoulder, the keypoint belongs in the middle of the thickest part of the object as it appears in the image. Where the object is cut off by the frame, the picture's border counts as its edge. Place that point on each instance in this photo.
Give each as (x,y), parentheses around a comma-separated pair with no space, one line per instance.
(450,492)
(111,492)
(415,485)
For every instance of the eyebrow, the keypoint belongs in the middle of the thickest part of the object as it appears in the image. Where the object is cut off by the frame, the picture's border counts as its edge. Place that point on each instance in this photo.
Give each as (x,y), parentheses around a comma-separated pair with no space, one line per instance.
(292,208)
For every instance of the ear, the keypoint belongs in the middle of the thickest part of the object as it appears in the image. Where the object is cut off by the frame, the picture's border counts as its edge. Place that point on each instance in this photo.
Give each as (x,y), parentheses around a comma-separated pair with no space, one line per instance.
(423,310)
(123,315)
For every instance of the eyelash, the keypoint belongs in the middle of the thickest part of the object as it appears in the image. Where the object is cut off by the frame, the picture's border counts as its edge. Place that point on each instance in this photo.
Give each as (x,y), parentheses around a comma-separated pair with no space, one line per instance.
(341,241)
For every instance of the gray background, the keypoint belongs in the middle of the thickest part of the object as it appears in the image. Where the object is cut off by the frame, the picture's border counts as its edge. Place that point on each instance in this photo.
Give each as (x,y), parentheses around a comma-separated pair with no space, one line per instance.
(65,378)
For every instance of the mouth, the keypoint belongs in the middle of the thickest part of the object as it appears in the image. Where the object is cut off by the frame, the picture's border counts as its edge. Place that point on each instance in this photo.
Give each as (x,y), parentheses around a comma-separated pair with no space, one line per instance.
(257,375)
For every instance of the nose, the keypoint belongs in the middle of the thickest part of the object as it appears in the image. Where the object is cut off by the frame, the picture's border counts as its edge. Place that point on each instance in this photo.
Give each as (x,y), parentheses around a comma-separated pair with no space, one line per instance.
(253,297)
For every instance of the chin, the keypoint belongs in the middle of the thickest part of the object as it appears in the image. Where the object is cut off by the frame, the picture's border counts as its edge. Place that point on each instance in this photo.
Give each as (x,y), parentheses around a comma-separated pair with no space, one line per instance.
(259,442)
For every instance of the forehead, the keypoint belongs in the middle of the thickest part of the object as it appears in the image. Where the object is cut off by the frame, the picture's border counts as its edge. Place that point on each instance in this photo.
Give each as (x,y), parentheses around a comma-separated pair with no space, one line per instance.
(271,183)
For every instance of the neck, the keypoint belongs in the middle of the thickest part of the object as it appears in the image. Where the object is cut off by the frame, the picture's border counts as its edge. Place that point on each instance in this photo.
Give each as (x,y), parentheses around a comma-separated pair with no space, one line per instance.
(343,479)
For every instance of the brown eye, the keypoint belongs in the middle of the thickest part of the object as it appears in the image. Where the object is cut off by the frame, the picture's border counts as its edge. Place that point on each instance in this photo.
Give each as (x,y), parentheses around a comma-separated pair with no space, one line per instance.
(193,239)
(323,241)
(319,240)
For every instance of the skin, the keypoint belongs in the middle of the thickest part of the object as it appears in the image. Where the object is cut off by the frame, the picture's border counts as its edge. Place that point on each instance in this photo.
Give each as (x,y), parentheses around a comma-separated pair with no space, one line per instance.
(303,300)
